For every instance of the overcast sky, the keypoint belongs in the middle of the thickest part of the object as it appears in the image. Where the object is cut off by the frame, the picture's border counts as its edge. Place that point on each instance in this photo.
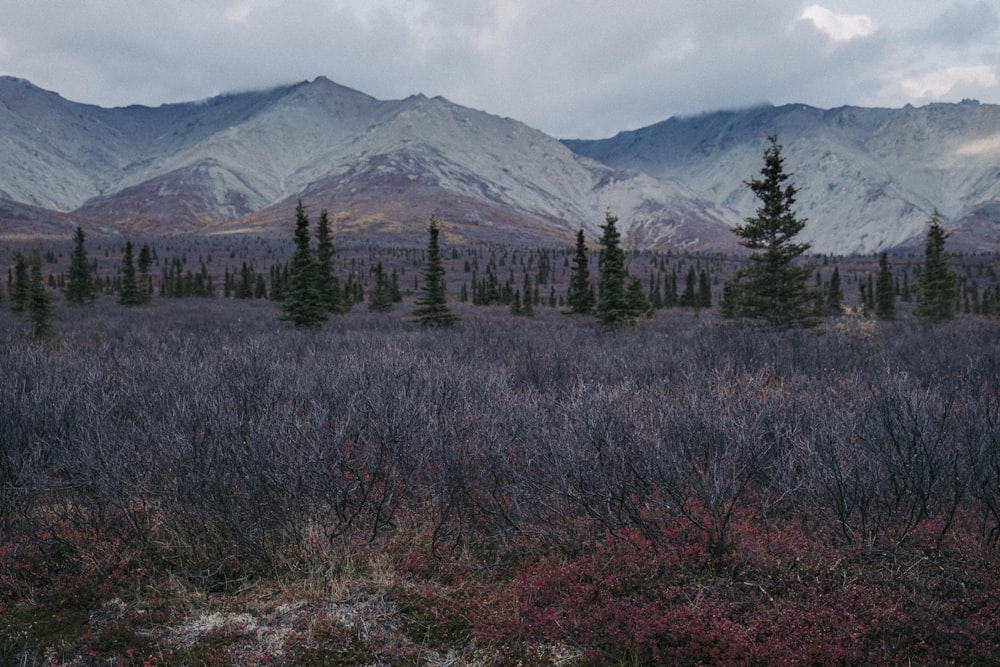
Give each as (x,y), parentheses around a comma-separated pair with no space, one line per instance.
(572,68)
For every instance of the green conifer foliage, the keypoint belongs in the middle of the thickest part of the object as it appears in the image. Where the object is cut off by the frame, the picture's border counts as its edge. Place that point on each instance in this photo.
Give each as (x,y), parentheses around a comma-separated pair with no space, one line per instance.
(303,304)
(80,287)
(380,298)
(704,290)
(885,291)
(936,296)
(772,287)
(145,282)
(580,296)
(528,306)
(611,306)
(128,292)
(835,294)
(637,305)
(20,288)
(432,305)
(39,300)
(327,285)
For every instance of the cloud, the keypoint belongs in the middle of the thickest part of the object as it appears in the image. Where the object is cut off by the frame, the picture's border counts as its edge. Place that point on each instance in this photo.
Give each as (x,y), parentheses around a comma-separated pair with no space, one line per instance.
(988,146)
(839,27)
(936,84)
(572,68)
(962,24)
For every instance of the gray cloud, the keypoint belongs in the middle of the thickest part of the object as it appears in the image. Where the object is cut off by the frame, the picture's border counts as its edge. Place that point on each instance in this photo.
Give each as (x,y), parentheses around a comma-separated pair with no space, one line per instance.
(569,67)
(963,24)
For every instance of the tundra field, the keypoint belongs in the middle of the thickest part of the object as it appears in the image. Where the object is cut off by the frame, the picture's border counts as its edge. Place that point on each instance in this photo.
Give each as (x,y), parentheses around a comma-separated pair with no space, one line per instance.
(193,482)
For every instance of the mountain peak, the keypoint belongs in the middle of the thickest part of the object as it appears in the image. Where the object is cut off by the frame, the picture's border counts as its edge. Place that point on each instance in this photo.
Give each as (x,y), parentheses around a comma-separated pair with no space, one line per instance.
(868,178)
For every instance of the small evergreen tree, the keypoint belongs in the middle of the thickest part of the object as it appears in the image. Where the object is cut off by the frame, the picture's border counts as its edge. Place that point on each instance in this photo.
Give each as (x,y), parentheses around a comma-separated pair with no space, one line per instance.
(80,287)
(39,300)
(303,304)
(580,296)
(835,294)
(704,290)
(145,280)
(380,298)
(515,306)
(637,306)
(611,306)
(20,287)
(689,297)
(772,287)
(528,307)
(432,305)
(260,288)
(936,296)
(128,292)
(885,290)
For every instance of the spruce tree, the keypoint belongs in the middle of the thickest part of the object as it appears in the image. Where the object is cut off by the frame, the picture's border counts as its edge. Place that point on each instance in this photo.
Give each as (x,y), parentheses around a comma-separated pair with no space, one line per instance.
(936,295)
(704,290)
(885,291)
(128,293)
(39,300)
(303,304)
(528,307)
(327,285)
(80,287)
(20,288)
(637,306)
(689,297)
(772,287)
(835,294)
(611,306)
(380,298)
(432,305)
(580,296)
(145,281)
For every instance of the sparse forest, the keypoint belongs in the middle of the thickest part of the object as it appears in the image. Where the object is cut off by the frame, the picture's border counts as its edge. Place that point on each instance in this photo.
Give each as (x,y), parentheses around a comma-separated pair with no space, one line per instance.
(509,490)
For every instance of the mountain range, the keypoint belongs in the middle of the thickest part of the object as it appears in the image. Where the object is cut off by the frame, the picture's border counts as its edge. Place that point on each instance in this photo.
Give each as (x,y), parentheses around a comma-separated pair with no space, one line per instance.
(869,179)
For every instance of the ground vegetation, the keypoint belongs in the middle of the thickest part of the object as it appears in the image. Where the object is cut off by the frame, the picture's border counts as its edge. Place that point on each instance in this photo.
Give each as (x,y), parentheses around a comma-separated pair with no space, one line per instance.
(204,485)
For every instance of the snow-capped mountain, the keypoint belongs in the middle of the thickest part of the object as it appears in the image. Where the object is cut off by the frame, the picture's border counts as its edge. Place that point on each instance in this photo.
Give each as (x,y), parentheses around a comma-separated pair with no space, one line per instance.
(868,179)
(242,161)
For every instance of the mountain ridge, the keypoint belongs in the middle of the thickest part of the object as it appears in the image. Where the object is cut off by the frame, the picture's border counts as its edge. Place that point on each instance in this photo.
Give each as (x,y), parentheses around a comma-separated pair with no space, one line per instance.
(241,161)
(883,170)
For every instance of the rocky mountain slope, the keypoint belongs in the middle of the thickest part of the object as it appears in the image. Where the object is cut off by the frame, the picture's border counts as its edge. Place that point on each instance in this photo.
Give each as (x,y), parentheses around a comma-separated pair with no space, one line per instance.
(869,179)
(240,162)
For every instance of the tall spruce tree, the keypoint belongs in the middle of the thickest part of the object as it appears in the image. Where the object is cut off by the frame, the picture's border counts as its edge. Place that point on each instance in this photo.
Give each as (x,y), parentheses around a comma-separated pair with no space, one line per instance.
(145,281)
(580,296)
(885,290)
(303,304)
(39,300)
(20,287)
(611,306)
(772,287)
(432,305)
(835,294)
(128,293)
(80,287)
(936,295)
(327,285)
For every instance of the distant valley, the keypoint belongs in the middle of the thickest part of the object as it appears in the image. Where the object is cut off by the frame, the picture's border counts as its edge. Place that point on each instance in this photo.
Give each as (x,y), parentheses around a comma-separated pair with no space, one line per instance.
(238,163)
